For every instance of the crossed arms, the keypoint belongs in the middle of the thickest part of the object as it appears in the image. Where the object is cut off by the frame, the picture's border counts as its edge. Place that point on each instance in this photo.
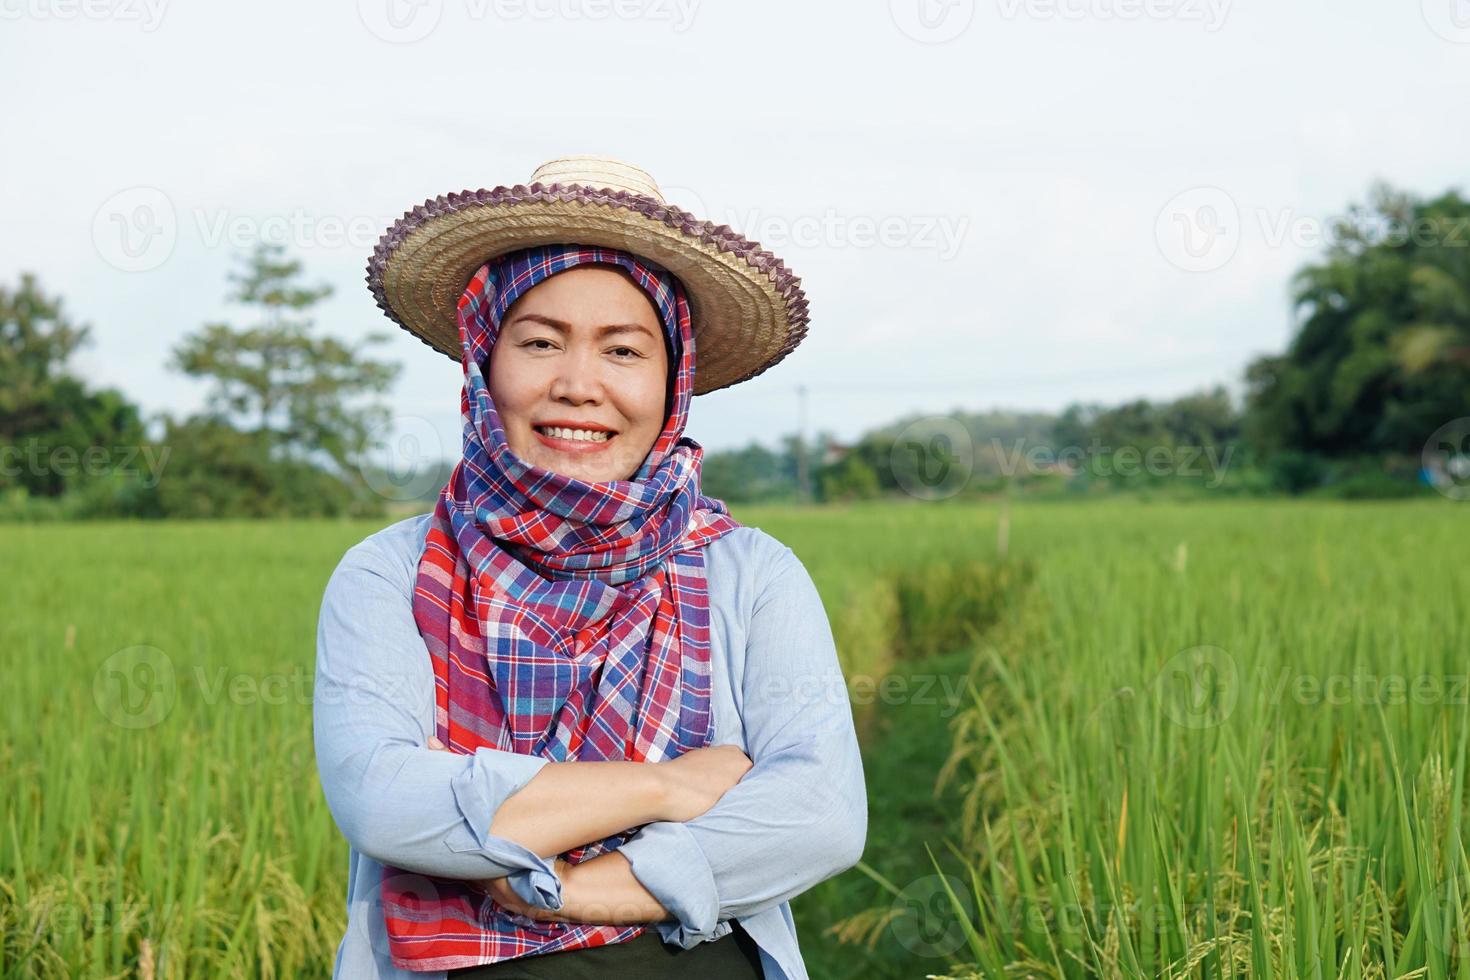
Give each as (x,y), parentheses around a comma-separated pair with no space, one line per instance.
(716,841)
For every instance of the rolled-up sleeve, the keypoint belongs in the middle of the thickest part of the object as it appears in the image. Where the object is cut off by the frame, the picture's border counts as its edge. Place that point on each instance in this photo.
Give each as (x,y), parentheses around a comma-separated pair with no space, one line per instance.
(394,799)
(800,815)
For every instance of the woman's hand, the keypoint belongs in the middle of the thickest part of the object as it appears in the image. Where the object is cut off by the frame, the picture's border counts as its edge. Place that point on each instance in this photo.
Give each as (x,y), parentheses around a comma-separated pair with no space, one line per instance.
(696,780)
(685,787)
(505,896)
(499,888)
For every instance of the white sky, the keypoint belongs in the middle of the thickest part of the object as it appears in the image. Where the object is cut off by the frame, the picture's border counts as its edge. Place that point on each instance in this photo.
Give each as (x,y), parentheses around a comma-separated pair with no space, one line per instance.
(1029,169)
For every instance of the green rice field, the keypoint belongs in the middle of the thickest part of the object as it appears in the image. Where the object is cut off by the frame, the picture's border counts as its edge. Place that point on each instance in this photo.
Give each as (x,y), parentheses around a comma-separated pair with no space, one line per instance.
(1102,739)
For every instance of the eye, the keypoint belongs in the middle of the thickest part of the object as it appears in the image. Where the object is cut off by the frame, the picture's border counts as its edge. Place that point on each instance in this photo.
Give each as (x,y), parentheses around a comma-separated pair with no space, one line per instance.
(536,340)
(629,350)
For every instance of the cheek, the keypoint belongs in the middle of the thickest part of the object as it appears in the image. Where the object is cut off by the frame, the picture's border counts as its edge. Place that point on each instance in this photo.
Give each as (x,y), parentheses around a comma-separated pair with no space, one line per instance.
(649,403)
(511,387)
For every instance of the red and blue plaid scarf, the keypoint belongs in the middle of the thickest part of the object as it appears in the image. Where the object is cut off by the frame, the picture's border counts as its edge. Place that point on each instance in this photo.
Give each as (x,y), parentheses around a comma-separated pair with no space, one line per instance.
(593,599)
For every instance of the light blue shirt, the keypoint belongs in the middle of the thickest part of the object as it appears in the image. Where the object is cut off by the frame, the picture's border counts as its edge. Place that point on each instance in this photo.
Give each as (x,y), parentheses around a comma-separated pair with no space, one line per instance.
(798,817)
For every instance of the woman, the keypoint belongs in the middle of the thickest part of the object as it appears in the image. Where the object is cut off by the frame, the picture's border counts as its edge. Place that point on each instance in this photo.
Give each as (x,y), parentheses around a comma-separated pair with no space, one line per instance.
(578,721)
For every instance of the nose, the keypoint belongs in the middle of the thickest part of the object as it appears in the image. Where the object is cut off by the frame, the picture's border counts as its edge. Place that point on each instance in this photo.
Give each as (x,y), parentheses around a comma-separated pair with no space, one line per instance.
(578,380)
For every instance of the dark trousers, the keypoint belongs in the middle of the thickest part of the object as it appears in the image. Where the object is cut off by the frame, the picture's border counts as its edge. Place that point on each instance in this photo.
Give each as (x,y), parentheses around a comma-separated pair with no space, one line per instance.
(644,957)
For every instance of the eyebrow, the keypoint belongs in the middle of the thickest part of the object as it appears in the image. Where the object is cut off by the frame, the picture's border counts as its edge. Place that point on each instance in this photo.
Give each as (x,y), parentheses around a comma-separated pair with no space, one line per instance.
(606,330)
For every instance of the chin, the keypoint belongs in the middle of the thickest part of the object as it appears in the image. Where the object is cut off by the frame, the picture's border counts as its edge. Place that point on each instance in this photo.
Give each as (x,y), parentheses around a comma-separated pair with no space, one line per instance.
(536,454)
(587,474)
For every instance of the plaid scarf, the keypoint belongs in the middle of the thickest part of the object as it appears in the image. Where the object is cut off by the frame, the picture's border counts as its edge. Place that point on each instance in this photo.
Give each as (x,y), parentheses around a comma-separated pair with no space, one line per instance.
(592,595)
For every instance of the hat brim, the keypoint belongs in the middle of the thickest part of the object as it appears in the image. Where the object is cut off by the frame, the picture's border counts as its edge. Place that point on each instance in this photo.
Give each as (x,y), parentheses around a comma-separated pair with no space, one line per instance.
(749,311)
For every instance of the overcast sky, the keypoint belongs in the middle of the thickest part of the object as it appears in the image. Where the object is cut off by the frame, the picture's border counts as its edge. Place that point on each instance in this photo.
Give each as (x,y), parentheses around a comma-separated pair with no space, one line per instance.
(991,203)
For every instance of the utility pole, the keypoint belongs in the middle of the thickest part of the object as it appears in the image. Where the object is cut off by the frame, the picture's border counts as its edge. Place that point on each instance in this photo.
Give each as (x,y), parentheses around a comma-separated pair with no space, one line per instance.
(803,481)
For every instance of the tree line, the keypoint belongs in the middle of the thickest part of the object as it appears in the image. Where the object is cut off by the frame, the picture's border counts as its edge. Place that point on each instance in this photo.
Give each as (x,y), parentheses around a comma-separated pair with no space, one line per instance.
(1376,377)
(1378,364)
(288,418)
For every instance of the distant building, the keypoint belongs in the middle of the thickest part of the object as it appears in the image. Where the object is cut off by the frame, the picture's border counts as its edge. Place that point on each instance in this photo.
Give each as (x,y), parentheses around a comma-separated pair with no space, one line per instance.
(833,452)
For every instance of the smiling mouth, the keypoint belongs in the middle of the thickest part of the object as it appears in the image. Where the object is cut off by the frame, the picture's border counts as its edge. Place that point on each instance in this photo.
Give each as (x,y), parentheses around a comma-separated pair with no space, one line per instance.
(574,441)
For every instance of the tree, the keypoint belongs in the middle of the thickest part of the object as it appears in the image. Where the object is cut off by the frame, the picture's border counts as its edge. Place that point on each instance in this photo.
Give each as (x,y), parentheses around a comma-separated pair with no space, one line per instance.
(216,470)
(36,340)
(297,393)
(850,478)
(55,433)
(750,474)
(1382,354)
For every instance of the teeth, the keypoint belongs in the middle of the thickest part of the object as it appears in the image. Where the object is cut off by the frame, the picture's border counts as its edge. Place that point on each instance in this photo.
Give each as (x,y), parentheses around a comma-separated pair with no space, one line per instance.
(580,435)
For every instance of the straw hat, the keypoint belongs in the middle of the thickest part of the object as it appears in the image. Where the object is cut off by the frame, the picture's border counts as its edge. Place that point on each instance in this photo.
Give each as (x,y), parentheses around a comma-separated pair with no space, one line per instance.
(748,309)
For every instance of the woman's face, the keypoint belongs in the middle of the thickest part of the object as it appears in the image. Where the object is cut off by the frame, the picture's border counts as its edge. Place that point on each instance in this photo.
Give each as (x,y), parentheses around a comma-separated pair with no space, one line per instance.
(582,351)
